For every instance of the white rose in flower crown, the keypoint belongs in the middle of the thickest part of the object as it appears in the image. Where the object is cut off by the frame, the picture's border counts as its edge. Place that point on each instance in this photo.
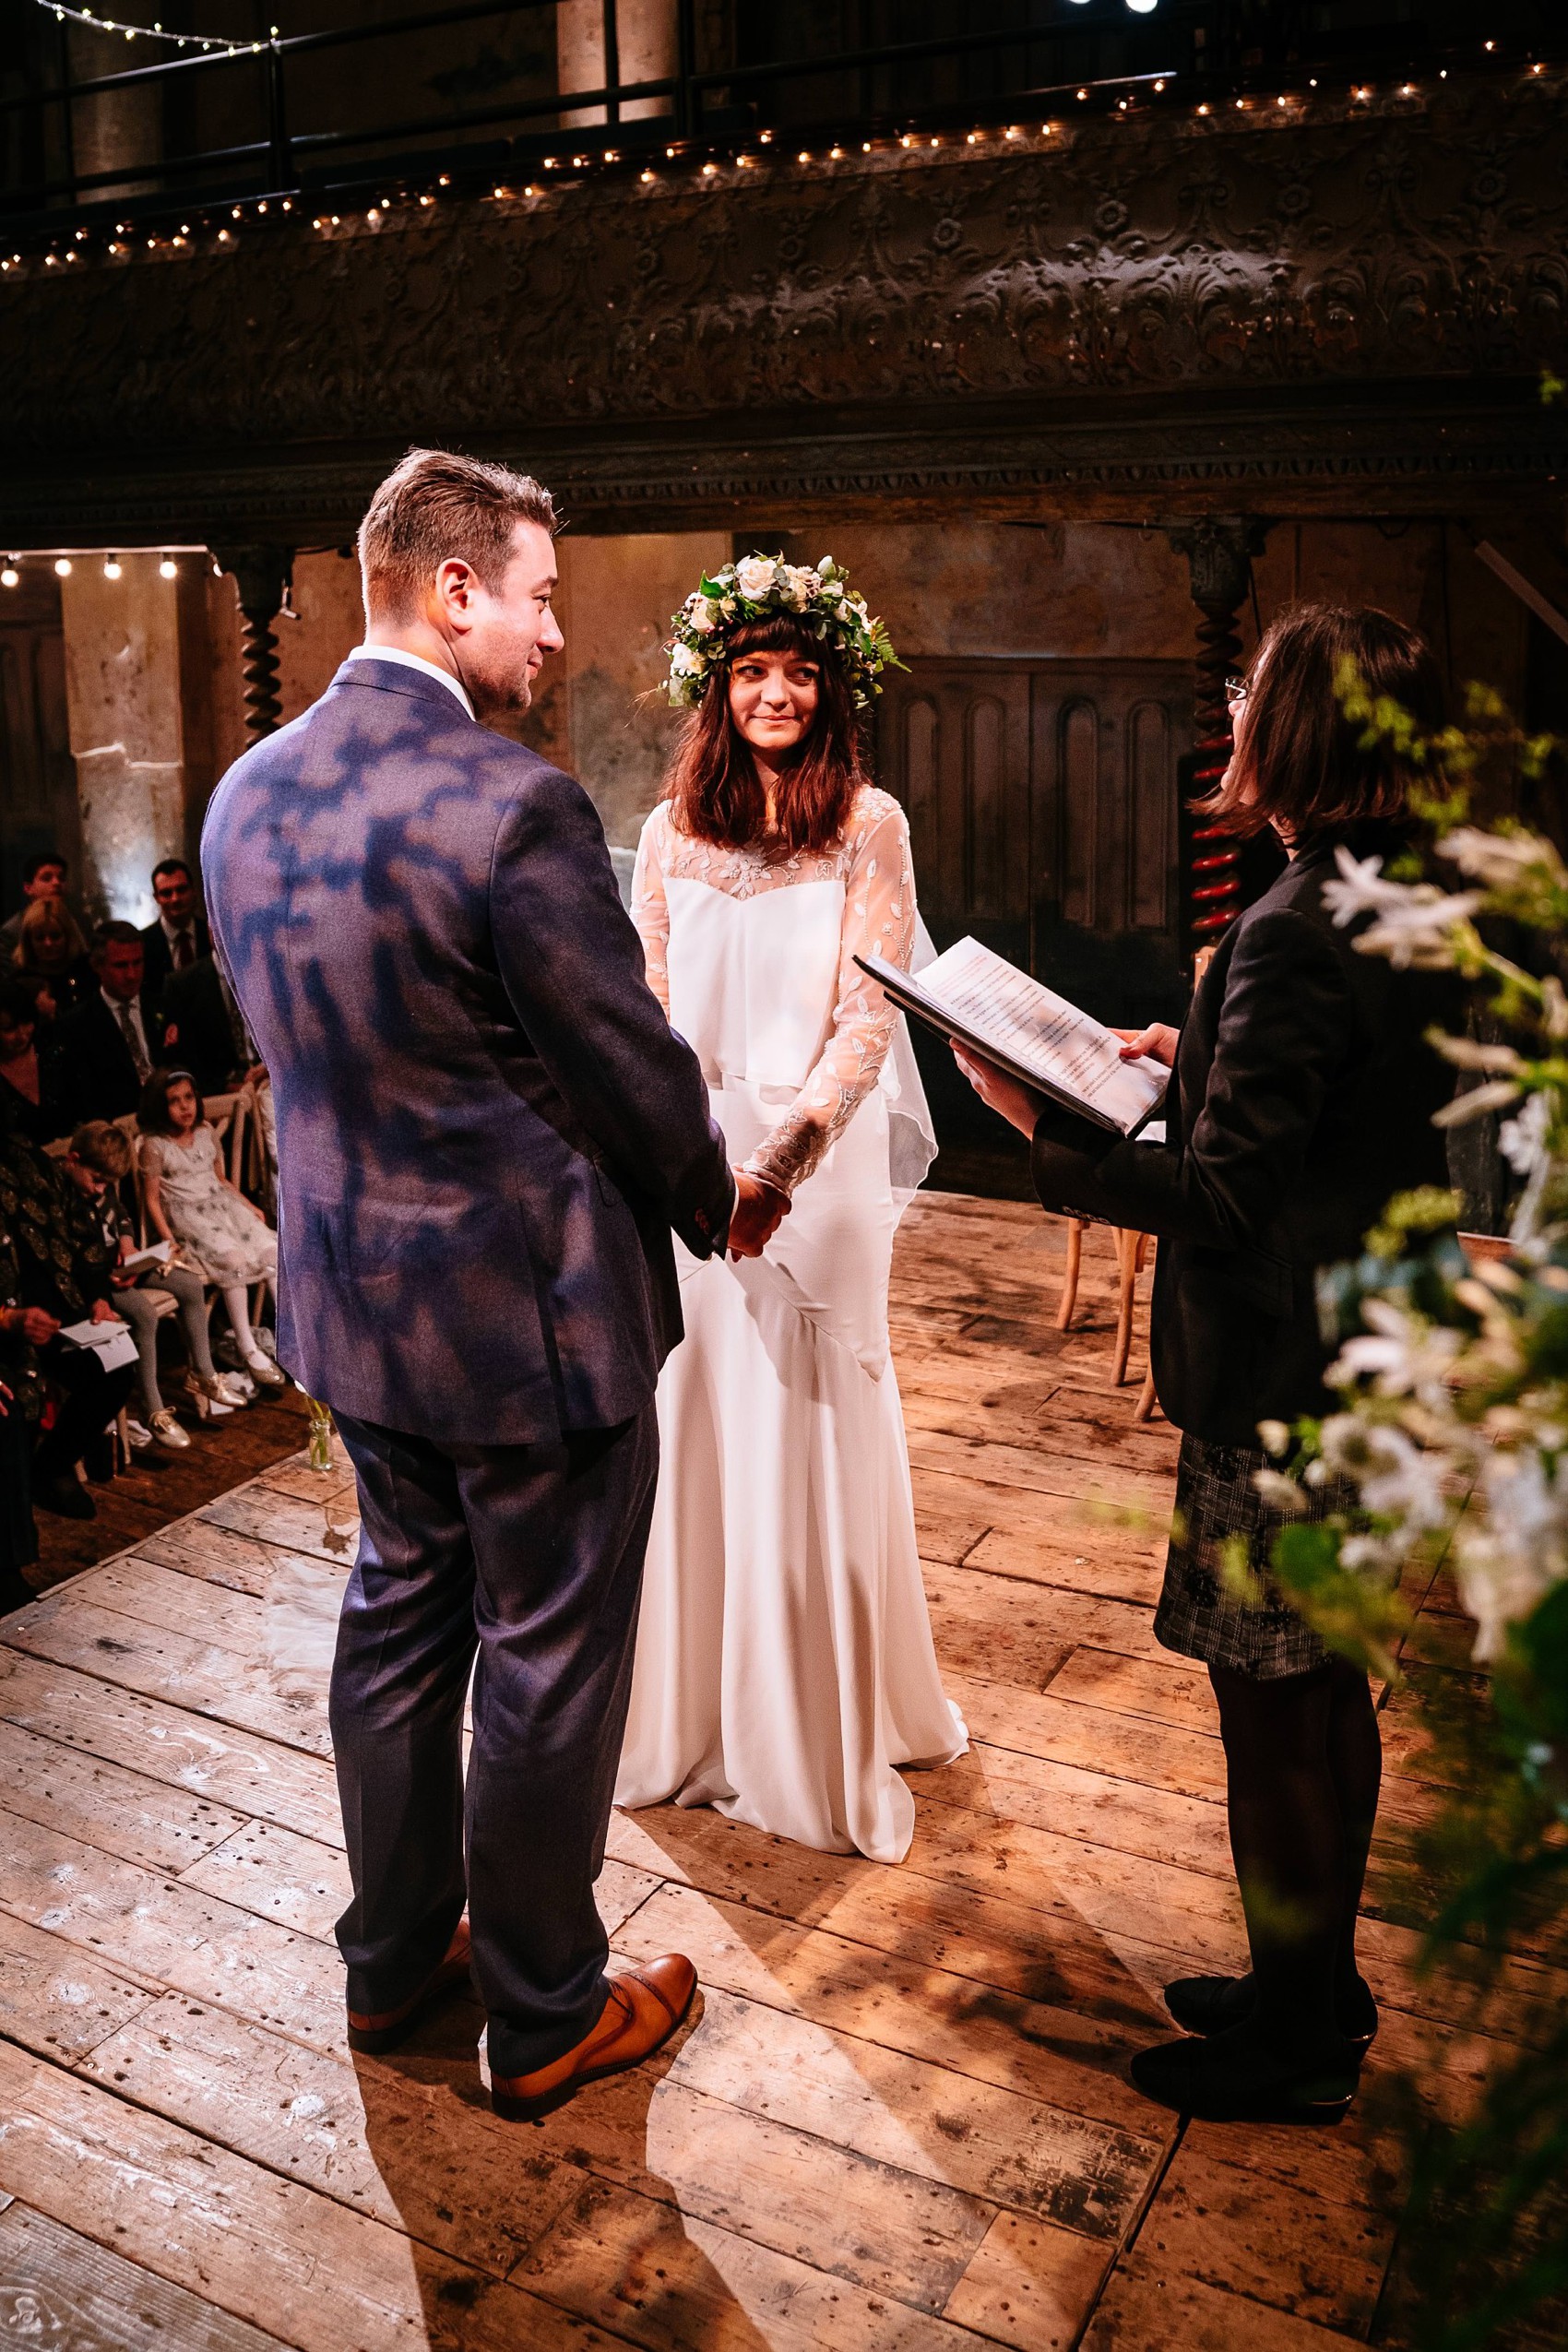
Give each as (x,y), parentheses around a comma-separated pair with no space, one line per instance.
(754,576)
(686,663)
(703,614)
(800,586)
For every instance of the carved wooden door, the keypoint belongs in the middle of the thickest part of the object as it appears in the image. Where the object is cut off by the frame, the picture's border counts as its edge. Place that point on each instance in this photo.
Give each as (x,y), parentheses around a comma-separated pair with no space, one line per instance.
(1042,805)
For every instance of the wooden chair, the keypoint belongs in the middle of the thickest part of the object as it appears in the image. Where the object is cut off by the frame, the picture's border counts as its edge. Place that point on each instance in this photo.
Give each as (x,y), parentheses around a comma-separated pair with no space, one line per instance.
(1131,1250)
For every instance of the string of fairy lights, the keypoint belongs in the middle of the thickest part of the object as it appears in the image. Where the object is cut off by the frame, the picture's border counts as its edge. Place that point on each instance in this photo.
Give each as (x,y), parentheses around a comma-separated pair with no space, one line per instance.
(217,226)
(204,44)
(62,562)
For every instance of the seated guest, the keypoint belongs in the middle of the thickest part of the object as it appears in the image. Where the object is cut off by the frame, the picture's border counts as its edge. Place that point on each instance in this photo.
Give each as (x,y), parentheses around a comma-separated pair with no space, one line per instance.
(221,1236)
(51,959)
(179,936)
(109,1046)
(32,1099)
(98,1161)
(43,876)
(1302,1096)
(20,1403)
(204,1026)
(59,1284)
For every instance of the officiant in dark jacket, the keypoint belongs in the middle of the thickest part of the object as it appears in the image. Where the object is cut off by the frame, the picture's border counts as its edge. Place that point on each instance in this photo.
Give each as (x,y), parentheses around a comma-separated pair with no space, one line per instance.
(1302,1096)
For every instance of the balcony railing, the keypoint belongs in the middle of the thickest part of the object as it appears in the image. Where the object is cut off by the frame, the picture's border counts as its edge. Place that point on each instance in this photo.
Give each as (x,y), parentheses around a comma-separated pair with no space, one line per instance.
(318,112)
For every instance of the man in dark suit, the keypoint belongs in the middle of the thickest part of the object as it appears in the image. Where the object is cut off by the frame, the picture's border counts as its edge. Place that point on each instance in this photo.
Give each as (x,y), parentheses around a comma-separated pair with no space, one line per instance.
(180,935)
(486,1133)
(109,1047)
(202,1026)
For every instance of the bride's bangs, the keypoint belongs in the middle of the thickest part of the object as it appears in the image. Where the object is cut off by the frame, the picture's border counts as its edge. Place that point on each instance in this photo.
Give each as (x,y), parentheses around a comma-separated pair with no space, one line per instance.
(714,789)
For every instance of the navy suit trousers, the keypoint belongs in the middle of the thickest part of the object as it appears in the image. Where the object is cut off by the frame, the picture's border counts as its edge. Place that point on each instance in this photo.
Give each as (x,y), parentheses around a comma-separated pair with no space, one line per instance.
(532,1557)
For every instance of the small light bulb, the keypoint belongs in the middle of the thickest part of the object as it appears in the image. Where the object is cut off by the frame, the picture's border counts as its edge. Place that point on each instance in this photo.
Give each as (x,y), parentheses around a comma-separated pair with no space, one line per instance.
(167,569)
(63,567)
(647,177)
(112,568)
(10,577)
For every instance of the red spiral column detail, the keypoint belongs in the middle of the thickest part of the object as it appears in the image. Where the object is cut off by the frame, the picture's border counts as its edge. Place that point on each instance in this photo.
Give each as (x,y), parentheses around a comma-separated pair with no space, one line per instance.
(1219,549)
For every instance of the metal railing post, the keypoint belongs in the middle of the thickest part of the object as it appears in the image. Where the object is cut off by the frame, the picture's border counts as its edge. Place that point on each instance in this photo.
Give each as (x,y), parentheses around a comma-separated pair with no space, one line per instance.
(686,99)
(280,154)
(611,63)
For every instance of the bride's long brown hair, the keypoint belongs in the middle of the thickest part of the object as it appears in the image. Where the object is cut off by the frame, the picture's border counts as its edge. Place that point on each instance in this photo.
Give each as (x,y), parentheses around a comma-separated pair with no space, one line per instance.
(714,789)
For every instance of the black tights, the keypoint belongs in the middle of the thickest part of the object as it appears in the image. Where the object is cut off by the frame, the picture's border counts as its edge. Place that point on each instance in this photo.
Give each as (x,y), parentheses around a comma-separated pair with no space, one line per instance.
(1303,1762)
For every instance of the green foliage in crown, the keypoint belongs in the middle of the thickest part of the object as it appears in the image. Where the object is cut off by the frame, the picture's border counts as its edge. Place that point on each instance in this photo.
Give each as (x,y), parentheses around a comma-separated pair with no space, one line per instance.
(758,588)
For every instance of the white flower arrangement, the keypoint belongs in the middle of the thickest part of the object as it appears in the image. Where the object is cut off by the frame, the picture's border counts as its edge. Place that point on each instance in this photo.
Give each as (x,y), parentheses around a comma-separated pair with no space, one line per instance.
(752,589)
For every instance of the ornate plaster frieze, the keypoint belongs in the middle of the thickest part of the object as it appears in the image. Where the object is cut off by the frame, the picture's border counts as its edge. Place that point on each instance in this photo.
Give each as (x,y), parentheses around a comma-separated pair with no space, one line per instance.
(1166,316)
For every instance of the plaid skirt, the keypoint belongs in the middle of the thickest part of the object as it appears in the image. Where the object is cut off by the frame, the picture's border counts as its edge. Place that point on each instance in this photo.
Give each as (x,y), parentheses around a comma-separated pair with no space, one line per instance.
(1216,1499)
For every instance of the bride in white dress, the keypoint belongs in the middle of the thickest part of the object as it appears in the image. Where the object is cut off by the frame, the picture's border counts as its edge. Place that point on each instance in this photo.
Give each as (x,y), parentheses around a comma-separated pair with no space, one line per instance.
(784,1666)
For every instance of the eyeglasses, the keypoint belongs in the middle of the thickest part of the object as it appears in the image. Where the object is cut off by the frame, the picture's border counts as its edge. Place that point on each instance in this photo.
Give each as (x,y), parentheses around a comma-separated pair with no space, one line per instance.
(1236,692)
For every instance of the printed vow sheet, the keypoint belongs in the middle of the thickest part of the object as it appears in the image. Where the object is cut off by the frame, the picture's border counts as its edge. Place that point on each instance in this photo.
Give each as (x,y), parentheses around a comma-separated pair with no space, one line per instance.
(979,999)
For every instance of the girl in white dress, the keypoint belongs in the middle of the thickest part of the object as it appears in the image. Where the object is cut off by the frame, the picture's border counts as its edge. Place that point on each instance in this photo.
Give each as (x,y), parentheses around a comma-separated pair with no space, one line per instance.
(784,1664)
(220,1235)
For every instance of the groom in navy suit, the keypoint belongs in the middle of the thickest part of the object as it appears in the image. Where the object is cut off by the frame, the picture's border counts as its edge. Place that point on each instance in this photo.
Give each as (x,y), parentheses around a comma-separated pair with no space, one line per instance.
(486,1133)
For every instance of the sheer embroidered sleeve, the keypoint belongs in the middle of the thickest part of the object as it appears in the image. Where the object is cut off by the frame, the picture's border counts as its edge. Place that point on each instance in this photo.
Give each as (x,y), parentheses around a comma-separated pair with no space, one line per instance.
(879,919)
(650,908)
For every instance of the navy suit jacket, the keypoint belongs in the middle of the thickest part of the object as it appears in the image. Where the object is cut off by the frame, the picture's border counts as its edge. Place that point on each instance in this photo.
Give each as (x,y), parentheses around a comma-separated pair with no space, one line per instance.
(486,1128)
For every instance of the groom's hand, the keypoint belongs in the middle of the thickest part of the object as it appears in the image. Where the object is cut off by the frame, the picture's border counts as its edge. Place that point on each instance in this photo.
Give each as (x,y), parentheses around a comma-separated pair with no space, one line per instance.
(758,1212)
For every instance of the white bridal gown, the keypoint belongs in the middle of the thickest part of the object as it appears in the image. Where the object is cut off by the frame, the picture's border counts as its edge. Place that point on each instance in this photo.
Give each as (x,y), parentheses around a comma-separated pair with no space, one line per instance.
(784,1662)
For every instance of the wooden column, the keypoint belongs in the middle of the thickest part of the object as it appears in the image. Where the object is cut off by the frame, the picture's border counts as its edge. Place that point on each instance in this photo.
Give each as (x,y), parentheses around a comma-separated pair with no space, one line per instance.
(1219,551)
(262,575)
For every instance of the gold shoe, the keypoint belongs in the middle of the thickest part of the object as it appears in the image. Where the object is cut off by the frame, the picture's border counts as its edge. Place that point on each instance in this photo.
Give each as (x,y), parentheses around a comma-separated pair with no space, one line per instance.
(167,1431)
(210,1398)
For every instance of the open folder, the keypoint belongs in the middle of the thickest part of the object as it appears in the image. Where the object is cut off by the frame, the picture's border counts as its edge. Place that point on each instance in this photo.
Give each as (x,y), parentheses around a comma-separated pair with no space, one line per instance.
(979,1000)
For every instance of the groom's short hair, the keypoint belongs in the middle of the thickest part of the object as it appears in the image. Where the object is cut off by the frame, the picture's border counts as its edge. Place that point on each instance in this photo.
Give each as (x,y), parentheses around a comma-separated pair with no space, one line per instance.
(437,505)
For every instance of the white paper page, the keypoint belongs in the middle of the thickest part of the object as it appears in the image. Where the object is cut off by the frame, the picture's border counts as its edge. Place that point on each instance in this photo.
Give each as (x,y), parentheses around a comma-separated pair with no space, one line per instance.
(114,1342)
(1033,1025)
(156,1254)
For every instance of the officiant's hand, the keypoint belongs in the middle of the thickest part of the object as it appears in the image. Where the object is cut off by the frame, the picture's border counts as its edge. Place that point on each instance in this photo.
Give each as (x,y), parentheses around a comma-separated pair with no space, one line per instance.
(1015,1103)
(1159,1041)
(760,1210)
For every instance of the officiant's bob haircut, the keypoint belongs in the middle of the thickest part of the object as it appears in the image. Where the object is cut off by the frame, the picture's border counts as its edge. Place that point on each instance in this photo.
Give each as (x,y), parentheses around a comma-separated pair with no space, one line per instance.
(1300,762)
(437,505)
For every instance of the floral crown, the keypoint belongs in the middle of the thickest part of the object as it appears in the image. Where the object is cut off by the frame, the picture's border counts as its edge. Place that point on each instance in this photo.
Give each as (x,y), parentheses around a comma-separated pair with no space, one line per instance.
(754,589)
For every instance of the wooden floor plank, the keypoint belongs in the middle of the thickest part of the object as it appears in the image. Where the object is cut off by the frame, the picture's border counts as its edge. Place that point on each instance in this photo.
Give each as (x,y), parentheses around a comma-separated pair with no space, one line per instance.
(57,2001)
(264,2250)
(238,1770)
(60,2290)
(108,1806)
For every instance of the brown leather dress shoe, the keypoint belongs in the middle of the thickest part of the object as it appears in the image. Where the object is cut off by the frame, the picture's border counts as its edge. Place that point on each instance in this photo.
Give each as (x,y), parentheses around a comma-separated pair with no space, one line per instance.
(387,2029)
(644,2006)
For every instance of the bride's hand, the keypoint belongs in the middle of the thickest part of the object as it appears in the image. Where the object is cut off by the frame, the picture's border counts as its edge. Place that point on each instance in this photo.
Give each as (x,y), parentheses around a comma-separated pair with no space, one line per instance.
(1159,1041)
(758,1212)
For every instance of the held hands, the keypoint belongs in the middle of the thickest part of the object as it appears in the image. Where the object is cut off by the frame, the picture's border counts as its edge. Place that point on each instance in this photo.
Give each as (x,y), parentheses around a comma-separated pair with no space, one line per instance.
(1159,1041)
(760,1210)
(1014,1102)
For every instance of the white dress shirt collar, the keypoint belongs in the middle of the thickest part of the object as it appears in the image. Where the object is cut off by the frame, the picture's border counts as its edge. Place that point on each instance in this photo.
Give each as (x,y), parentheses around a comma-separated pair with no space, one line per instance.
(414,661)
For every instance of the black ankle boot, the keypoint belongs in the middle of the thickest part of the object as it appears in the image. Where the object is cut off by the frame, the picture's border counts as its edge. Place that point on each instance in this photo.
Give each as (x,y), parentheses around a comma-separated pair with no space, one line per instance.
(1213,2004)
(1234,2077)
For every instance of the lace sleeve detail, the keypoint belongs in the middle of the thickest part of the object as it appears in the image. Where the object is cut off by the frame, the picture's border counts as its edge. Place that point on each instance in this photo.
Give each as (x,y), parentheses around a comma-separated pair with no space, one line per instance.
(879,919)
(650,908)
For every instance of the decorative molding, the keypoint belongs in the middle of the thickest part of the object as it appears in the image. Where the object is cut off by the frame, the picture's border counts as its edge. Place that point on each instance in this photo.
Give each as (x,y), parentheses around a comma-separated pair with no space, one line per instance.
(1164,316)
